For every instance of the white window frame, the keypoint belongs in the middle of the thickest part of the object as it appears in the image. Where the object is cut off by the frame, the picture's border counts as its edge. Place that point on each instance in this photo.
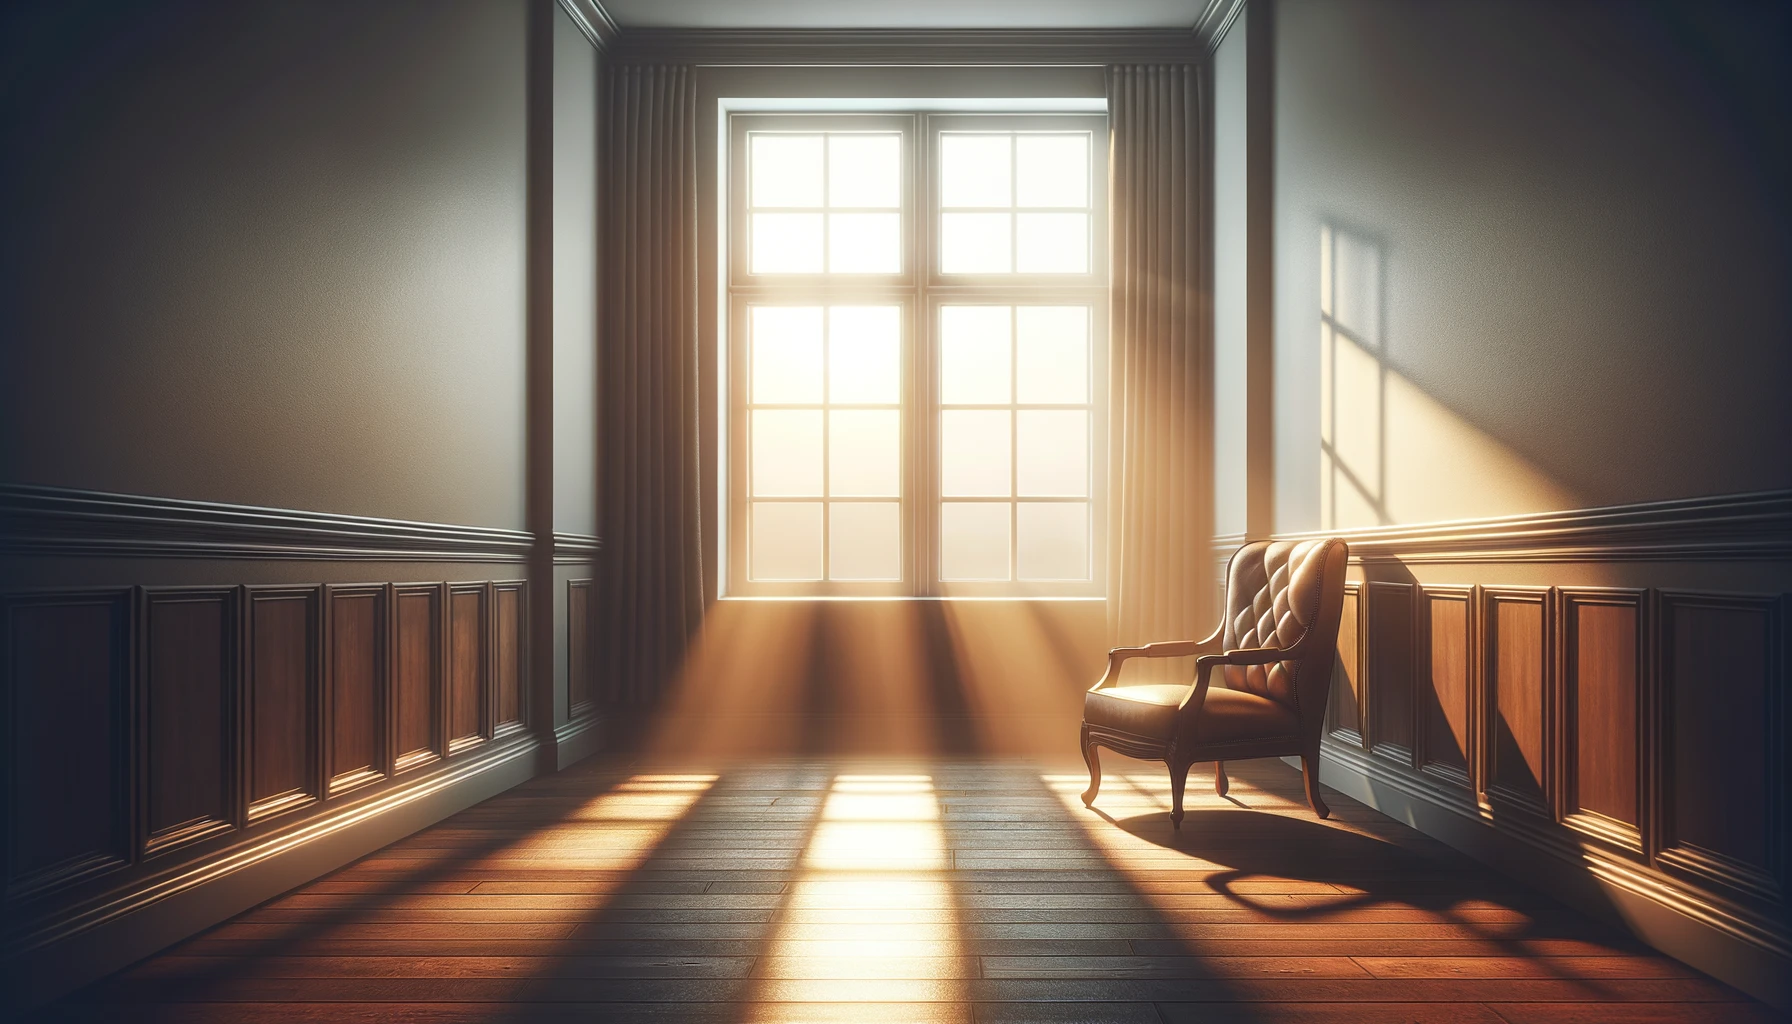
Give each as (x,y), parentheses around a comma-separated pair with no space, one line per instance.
(919,290)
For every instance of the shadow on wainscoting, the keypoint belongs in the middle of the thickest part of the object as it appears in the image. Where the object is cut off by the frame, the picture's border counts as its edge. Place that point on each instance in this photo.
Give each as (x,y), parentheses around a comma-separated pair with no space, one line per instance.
(1620,747)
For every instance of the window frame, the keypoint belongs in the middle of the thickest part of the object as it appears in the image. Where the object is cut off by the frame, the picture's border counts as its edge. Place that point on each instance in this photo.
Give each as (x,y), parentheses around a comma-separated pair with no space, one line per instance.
(918,290)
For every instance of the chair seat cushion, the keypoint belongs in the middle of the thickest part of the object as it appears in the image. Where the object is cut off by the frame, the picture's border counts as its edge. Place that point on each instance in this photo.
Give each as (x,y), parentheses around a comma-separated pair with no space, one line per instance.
(1226,717)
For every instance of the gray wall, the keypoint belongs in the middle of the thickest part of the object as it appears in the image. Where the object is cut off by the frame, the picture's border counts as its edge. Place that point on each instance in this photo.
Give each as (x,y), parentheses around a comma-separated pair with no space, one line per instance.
(1229,301)
(575,278)
(1561,238)
(268,253)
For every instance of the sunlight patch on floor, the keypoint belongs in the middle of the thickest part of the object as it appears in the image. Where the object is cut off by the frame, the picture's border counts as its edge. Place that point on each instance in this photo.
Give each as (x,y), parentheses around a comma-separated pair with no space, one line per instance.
(631,819)
(871,917)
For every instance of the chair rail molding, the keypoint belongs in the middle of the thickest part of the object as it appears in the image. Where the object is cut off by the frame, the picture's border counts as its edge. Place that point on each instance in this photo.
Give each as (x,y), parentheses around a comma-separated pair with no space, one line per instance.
(52,521)
(576,548)
(1722,528)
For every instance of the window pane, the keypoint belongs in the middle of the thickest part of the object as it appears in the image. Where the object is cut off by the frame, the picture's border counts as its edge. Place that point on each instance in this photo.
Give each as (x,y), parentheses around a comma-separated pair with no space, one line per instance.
(864,243)
(974,540)
(786,453)
(786,344)
(786,170)
(1052,540)
(787,243)
(865,453)
(865,354)
(974,170)
(865,170)
(974,352)
(1052,354)
(786,540)
(1052,170)
(1053,453)
(1053,243)
(974,453)
(864,541)
(975,243)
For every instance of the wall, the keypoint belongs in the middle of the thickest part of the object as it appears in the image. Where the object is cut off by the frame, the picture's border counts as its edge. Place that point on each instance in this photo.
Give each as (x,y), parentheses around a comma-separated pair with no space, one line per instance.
(1560,245)
(576,75)
(1530,358)
(575,278)
(279,248)
(1230,194)
(277,587)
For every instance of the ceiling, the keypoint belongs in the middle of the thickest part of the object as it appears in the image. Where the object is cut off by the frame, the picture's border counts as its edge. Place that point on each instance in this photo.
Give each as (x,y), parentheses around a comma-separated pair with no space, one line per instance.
(908,14)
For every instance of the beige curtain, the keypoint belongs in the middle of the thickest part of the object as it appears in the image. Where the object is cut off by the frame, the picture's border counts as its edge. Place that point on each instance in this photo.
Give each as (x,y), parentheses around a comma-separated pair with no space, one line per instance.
(1159,359)
(650,590)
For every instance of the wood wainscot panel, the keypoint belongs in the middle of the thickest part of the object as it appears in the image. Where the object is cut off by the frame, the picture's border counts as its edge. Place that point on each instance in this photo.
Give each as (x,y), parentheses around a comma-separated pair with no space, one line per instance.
(417,676)
(1723,724)
(285,713)
(1389,669)
(1517,771)
(1347,676)
(510,661)
(1445,701)
(357,752)
(469,666)
(1602,713)
(579,690)
(188,726)
(67,712)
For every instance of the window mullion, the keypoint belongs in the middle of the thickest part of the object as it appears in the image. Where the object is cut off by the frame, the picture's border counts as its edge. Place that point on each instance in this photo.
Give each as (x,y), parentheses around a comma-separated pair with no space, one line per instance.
(924,515)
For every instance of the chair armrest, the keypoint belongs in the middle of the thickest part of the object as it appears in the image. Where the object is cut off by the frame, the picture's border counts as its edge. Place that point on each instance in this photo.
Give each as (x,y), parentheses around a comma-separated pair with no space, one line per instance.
(1161,649)
(1204,666)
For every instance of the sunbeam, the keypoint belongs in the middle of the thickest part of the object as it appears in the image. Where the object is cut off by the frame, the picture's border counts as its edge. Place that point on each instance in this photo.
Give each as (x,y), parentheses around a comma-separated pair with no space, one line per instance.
(871,917)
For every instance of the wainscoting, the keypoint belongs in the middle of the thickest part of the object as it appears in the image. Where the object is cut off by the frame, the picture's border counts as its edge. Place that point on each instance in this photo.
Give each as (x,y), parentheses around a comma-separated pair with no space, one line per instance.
(1595,700)
(169,738)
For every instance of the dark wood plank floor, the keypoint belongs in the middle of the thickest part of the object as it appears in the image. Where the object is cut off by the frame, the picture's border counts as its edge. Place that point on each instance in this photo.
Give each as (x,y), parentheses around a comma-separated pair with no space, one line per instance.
(912,891)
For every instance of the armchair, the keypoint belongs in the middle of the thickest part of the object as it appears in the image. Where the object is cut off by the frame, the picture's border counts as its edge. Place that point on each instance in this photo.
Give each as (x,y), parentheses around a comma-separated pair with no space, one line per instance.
(1275,647)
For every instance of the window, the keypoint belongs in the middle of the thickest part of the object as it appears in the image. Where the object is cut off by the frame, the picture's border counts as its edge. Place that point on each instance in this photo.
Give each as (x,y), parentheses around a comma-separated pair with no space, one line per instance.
(915,355)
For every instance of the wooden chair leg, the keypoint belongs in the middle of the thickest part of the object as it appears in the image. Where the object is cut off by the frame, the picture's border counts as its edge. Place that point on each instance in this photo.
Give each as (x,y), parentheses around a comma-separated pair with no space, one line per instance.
(1220,783)
(1093,759)
(1309,767)
(1178,779)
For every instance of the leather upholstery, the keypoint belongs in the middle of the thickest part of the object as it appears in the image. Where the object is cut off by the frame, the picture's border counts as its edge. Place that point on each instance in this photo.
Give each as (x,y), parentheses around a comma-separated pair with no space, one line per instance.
(1273,593)
(1226,716)
(1283,600)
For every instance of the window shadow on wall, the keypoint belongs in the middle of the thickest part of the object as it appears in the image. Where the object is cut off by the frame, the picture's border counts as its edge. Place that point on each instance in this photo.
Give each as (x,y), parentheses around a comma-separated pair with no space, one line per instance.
(1390,450)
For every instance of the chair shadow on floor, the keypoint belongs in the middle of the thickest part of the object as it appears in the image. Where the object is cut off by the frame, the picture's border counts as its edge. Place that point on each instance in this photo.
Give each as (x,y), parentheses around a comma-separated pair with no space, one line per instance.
(1373,875)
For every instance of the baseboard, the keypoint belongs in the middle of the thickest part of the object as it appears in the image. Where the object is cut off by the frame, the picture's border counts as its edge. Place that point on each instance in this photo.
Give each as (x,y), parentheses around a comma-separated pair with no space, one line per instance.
(578,739)
(213,891)
(1671,919)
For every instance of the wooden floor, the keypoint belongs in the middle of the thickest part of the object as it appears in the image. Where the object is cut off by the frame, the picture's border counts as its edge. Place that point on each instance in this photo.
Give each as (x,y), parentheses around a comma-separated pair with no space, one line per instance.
(924,891)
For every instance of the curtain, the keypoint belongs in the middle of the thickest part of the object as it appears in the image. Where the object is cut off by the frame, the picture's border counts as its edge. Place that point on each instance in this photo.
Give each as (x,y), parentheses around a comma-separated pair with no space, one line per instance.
(650,588)
(1159,359)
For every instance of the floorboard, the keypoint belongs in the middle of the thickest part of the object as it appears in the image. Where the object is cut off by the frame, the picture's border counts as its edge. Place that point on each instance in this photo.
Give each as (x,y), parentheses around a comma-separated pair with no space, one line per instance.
(943,891)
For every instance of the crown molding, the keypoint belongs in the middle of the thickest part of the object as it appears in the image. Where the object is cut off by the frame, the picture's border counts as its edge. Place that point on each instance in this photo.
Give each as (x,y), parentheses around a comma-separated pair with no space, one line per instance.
(1215,19)
(52,521)
(907,47)
(594,21)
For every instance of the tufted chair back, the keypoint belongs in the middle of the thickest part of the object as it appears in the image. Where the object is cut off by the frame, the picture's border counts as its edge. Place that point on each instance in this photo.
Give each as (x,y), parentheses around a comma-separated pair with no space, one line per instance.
(1275,591)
